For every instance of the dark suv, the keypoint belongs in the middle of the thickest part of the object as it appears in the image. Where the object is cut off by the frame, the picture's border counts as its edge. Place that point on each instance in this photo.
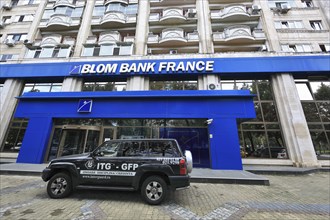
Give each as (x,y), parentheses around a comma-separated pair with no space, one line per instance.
(149,165)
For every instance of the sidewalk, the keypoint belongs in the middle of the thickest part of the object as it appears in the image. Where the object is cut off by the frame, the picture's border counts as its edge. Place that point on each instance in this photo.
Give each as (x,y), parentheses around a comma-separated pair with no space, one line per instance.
(250,175)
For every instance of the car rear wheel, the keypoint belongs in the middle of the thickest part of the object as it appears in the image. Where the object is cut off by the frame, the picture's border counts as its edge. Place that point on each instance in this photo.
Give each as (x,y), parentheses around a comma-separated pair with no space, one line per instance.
(59,186)
(154,190)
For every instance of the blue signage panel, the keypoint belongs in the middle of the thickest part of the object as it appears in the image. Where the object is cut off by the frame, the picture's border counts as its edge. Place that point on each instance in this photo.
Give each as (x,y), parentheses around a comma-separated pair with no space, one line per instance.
(221,66)
(85,105)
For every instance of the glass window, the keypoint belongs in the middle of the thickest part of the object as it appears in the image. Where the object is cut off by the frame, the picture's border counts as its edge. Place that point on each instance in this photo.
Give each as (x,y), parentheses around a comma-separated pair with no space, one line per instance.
(88,51)
(316,25)
(125,50)
(132,9)
(46,52)
(47,13)
(108,149)
(106,50)
(116,7)
(77,12)
(42,87)
(173,85)
(307,3)
(98,10)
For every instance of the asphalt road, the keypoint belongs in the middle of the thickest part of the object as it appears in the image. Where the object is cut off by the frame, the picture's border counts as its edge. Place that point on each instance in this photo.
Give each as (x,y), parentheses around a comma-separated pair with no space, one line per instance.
(287,197)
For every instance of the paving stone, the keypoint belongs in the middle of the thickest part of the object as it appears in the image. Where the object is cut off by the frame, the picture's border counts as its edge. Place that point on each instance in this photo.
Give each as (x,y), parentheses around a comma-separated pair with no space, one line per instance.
(288,197)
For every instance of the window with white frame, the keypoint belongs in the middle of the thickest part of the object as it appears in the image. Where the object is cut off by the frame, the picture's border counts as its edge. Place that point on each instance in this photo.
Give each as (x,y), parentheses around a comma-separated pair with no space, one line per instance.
(64,10)
(325,47)
(279,3)
(296,48)
(107,50)
(316,25)
(17,37)
(49,52)
(130,9)
(14,2)
(23,18)
(288,24)
(307,3)
(5,57)
(6,19)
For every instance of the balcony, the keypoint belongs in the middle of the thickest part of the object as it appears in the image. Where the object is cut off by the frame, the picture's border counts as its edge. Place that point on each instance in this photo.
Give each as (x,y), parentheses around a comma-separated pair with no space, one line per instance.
(239,34)
(236,13)
(106,2)
(172,15)
(111,37)
(59,22)
(51,40)
(68,3)
(112,19)
(174,37)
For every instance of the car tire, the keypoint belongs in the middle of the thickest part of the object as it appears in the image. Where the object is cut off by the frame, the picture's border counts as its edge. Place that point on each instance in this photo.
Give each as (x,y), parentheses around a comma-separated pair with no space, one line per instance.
(189,160)
(154,190)
(59,186)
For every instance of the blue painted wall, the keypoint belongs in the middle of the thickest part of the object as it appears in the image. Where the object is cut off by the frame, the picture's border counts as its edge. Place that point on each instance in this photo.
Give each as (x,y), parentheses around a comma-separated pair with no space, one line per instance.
(222,106)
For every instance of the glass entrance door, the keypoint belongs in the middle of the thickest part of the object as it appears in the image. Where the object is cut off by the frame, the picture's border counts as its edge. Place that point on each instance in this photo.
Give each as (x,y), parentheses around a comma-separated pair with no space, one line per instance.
(73,140)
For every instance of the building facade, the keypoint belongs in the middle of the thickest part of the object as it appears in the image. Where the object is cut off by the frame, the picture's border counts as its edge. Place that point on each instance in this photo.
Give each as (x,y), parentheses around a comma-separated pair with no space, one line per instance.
(235,82)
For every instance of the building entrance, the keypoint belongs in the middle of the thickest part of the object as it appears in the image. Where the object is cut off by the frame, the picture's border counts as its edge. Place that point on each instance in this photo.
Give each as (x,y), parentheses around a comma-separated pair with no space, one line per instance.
(68,140)
(76,136)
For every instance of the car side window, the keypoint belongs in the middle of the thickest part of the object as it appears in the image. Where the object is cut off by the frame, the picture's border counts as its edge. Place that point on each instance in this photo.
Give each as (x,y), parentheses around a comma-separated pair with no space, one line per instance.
(155,149)
(109,149)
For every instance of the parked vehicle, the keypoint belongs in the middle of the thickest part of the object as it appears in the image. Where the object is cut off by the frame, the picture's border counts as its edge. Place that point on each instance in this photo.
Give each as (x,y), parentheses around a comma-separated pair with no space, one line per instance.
(150,165)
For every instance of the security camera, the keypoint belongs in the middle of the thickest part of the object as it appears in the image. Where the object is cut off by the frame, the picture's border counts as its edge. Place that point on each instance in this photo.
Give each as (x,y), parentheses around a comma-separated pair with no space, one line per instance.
(209,121)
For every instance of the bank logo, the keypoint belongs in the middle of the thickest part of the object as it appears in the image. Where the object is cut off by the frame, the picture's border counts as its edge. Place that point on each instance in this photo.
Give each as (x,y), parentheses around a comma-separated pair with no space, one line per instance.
(90,164)
(75,70)
(85,105)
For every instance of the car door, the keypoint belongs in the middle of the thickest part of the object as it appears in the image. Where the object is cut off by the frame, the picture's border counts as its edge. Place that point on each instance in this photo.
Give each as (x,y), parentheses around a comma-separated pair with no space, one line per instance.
(101,167)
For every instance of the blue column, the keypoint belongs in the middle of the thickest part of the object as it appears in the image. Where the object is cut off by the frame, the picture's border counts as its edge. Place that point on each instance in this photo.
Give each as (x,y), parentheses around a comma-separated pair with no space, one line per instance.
(224,144)
(35,140)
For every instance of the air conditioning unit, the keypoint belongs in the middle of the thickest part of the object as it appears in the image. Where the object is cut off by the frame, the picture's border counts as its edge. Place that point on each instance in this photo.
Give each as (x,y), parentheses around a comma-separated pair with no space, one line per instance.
(255,9)
(263,48)
(6,6)
(2,24)
(27,42)
(213,86)
(10,42)
(285,8)
(191,12)
(149,51)
(173,51)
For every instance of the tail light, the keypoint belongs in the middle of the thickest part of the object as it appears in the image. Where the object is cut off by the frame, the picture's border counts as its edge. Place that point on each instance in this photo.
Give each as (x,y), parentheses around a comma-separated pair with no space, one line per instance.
(183,167)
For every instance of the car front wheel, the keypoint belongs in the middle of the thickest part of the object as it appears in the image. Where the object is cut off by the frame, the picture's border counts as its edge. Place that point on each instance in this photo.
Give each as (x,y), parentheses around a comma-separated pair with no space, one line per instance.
(59,186)
(154,190)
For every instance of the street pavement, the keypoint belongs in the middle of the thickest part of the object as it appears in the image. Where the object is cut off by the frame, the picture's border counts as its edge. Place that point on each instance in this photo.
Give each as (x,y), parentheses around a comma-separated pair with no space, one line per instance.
(287,197)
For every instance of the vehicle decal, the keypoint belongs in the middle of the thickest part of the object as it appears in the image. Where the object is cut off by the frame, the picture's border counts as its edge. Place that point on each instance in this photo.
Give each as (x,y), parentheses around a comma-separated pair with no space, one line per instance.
(105,173)
(90,164)
(169,161)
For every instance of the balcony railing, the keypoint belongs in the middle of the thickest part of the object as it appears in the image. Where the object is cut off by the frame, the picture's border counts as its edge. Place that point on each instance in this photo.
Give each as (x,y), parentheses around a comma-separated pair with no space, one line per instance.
(115,1)
(111,37)
(60,19)
(64,3)
(114,16)
(173,34)
(172,13)
(238,32)
(51,40)
(234,11)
